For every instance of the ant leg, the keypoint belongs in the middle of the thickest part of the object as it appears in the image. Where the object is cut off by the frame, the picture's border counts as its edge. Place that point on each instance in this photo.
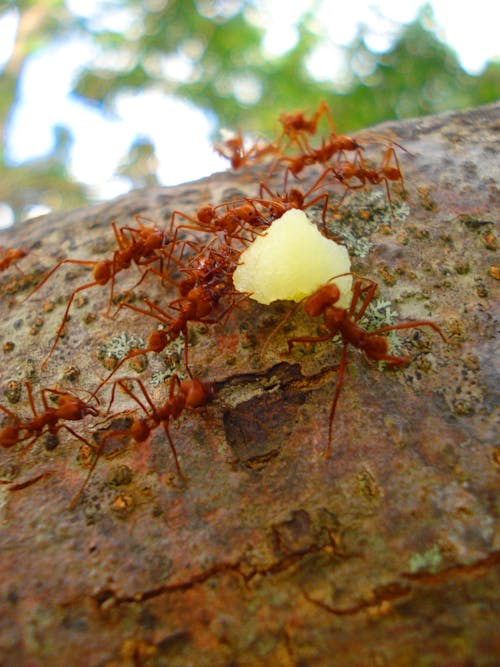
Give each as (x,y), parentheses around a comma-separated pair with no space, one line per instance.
(121,382)
(394,173)
(324,109)
(174,384)
(54,269)
(326,197)
(120,237)
(318,181)
(23,485)
(78,495)
(340,379)
(146,262)
(32,401)
(308,339)
(47,391)
(264,188)
(370,289)
(114,271)
(9,413)
(281,323)
(74,434)
(137,352)
(164,318)
(65,317)
(174,451)
(130,393)
(389,199)
(411,325)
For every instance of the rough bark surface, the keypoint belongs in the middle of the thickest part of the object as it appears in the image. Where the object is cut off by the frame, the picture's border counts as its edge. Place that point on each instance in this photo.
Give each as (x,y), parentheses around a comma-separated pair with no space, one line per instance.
(388,553)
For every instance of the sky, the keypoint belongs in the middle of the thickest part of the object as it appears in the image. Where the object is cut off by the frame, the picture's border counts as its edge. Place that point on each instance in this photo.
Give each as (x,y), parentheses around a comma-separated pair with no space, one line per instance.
(470,28)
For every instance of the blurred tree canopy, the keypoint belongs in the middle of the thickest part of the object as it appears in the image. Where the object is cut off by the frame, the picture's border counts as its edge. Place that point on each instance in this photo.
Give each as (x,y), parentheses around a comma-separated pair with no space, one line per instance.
(227,72)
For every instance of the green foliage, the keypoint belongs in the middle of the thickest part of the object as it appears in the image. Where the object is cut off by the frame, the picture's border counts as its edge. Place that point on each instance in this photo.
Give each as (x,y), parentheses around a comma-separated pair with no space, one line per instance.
(229,75)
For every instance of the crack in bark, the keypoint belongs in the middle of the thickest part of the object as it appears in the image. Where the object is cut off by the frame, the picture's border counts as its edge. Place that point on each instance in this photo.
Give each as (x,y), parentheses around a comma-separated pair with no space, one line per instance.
(383,596)
(380,600)
(283,375)
(110,599)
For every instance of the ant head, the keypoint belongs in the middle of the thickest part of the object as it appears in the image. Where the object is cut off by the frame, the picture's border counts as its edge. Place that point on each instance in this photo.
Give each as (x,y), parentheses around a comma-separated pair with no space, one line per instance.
(206,214)
(275,209)
(325,296)
(156,238)
(295,198)
(73,408)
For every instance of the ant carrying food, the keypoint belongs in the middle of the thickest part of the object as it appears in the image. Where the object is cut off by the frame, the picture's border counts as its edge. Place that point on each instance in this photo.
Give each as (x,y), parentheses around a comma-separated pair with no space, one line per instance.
(182,395)
(142,248)
(345,322)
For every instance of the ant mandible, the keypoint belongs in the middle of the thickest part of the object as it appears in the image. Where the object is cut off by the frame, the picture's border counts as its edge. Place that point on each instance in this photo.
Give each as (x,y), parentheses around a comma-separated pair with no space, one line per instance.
(344,322)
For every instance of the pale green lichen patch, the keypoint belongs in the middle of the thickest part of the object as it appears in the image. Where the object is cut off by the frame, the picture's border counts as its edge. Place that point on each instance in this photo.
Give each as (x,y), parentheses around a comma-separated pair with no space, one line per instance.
(380,314)
(172,360)
(119,346)
(365,213)
(429,560)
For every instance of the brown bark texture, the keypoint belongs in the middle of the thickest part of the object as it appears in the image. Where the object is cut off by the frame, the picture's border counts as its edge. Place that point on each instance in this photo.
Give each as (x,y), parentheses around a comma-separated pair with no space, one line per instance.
(386,553)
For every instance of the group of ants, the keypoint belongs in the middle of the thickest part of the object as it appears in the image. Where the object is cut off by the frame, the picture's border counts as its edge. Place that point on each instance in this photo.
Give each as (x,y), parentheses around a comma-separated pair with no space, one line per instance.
(197,255)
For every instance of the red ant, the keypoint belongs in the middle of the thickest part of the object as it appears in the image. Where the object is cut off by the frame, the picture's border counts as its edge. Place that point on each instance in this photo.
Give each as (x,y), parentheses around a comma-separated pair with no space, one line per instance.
(197,305)
(69,408)
(231,222)
(344,322)
(212,264)
(345,171)
(234,151)
(183,395)
(278,203)
(9,256)
(322,155)
(140,249)
(296,124)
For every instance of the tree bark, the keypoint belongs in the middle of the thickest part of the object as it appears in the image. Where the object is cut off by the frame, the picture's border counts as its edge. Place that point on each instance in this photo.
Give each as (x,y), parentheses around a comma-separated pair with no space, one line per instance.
(387,553)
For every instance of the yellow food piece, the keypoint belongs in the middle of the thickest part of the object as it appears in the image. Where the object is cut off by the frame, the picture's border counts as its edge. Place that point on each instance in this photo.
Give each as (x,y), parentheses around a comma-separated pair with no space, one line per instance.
(291,261)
